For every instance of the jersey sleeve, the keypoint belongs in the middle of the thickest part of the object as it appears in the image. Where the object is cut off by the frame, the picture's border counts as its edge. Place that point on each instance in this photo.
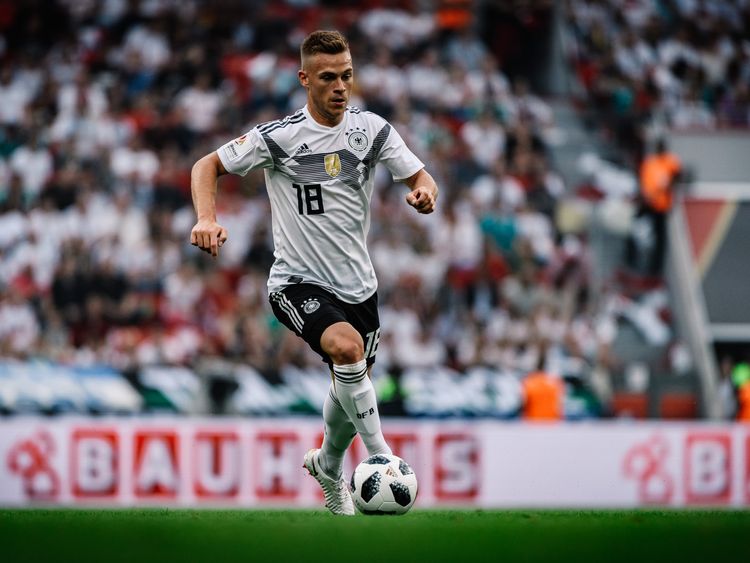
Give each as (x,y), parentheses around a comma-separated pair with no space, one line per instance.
(397,157)
(244,153)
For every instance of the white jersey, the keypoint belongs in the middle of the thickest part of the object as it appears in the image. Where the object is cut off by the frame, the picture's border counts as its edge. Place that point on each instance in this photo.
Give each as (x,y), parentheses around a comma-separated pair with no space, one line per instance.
(320,181)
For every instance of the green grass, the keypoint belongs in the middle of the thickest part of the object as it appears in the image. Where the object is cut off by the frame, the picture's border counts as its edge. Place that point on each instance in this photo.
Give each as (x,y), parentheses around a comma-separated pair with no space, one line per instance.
(219,536)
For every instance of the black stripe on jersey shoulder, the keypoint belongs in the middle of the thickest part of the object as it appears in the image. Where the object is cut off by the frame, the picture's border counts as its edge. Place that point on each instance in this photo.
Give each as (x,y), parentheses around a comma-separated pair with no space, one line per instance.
(272,126)
(377,145)
(282,125)
(269,126)
(280,120)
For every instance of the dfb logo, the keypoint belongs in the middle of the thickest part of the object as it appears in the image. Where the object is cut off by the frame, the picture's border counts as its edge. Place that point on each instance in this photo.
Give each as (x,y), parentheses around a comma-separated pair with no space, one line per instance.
(456,467)
(276,463)
(645,463)
(156,464)
(366,413)
(30,458)
(216,460)
(94,463)
(708,466)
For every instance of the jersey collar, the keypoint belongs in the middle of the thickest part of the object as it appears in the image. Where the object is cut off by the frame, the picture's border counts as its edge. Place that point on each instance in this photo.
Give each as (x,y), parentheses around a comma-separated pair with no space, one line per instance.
(315,124)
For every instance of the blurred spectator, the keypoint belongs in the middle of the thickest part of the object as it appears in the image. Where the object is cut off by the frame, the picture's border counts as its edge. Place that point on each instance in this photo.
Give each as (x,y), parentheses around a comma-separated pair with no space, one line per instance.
(382,82)
(741,383)
(658,175)
(485,138)
(200,105)
(464,48)
(542,394)
(19,328)
(15,96)
(33,163)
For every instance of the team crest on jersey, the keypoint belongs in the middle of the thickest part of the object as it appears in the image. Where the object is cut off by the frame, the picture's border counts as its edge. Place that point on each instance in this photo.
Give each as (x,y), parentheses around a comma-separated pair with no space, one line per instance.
(310,305)
(333,164)
(358,141)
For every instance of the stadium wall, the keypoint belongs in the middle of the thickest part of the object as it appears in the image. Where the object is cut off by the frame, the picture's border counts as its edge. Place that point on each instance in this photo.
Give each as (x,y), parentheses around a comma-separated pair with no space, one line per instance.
(248,463)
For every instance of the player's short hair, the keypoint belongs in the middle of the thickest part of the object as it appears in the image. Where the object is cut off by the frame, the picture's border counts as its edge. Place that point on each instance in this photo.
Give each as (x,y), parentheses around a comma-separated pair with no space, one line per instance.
(328,42)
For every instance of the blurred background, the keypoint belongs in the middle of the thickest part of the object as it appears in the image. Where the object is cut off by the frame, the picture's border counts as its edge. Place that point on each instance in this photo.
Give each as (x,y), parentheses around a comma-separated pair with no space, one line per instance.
(544,287)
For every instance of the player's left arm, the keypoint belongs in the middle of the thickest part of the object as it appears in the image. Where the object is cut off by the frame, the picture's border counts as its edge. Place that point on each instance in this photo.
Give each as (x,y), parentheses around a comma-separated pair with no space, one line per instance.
(424,191)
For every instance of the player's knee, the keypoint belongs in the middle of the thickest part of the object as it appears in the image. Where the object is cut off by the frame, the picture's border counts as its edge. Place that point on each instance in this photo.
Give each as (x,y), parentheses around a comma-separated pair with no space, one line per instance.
(345,351)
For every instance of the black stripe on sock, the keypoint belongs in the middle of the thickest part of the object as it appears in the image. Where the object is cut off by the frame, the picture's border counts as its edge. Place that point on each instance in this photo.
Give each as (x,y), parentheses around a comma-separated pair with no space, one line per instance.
(350,377)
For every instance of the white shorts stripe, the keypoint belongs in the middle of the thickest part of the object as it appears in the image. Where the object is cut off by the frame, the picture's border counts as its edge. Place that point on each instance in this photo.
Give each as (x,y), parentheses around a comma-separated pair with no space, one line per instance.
(291,316)
(294,311)
(289,309)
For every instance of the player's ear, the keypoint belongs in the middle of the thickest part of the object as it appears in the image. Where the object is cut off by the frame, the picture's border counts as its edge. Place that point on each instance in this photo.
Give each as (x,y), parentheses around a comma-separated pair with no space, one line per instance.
(302,75)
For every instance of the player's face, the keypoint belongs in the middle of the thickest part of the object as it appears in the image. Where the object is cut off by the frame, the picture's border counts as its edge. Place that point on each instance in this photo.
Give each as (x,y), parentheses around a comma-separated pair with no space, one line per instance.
(328,80)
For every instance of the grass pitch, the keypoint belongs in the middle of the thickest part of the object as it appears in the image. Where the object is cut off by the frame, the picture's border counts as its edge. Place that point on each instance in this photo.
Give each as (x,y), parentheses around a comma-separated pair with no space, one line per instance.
(221,536)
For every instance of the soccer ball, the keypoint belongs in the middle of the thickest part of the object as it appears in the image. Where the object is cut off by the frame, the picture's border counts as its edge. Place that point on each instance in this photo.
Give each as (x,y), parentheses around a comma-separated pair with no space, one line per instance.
(384,484)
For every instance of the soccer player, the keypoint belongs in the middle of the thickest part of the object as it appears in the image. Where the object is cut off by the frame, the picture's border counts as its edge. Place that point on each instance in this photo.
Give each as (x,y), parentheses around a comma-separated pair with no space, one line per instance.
(319,171)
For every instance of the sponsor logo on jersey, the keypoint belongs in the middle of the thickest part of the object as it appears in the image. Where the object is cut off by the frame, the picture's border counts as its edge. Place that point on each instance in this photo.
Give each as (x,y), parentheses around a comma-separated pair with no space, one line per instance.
(234,150)
(333,164)
(310,305)
(303,149)
(358,141)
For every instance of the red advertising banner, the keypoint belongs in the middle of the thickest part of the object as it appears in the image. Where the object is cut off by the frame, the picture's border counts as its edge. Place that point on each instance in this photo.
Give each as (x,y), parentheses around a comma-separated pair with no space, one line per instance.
(258,463)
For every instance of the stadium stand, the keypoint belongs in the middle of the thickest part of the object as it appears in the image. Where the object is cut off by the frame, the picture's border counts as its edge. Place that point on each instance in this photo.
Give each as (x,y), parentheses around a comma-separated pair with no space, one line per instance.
(105,105)
(677,71)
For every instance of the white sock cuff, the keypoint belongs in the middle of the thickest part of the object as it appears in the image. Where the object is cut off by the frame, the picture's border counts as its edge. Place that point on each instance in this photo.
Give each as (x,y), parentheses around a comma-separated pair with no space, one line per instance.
(350,373)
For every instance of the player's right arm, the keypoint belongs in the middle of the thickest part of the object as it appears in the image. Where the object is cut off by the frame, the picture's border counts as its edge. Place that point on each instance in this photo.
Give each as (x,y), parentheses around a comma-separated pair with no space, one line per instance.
(238,156)
(207,234)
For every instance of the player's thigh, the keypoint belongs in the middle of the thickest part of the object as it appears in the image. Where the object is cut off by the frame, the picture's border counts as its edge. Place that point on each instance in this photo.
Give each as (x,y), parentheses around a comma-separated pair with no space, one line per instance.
(307,310)
(343,343)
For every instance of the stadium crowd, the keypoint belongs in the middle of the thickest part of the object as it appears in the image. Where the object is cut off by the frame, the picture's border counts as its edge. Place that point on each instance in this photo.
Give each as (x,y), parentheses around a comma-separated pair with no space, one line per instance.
(681,64)
(104,107)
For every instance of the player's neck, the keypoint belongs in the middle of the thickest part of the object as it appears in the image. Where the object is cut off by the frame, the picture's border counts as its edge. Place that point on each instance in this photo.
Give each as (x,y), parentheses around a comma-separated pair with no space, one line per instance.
(323,119)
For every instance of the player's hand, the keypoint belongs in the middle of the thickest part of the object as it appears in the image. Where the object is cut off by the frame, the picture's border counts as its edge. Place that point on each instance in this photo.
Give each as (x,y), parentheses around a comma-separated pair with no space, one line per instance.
(209,236)
(422,199)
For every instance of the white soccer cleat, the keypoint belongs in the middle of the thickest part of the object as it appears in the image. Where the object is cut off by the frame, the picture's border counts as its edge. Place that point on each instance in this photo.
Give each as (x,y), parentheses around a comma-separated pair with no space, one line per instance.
(338,498)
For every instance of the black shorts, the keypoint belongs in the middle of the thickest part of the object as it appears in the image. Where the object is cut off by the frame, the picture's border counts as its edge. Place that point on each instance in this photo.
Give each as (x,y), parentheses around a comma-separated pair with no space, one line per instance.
(307,310)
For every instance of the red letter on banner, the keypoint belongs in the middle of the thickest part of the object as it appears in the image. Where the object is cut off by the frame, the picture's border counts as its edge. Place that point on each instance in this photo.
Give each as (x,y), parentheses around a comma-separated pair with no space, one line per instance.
(276,465)
(404,445)
(156,464)
(216,464)
(94,463)
(456,467)
(708,468)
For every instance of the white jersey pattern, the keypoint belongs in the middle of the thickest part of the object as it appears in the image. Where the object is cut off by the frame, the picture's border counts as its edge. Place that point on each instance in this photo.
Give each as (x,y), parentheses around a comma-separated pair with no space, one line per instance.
(320,181)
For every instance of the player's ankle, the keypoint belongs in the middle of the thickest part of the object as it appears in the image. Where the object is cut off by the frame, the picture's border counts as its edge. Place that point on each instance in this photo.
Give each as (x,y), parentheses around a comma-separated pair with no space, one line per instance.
(330,465)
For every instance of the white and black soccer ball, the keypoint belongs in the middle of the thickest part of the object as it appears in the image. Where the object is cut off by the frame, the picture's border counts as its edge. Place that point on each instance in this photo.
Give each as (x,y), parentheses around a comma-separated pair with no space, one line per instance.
(383,484)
